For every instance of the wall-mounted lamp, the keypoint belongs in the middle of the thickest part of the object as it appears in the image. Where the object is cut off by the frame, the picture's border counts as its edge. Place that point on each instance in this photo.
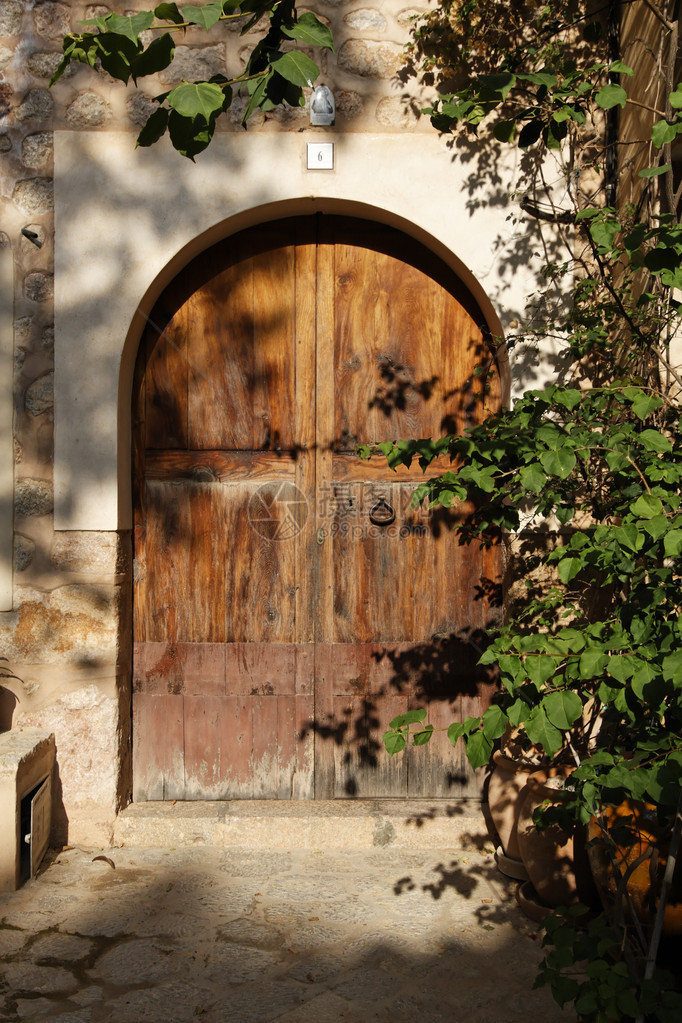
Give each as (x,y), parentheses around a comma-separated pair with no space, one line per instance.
(322,107)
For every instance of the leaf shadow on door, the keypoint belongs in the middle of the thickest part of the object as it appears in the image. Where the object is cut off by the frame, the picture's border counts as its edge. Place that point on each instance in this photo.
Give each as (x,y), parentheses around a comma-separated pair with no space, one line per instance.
(374,683)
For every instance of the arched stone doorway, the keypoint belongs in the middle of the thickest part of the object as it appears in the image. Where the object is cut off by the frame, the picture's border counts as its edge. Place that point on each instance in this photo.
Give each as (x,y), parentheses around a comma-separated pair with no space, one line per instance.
(288,600)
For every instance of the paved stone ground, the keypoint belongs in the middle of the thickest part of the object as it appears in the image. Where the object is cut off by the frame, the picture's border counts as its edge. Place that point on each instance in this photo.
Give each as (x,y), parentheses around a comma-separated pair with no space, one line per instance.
(172,936)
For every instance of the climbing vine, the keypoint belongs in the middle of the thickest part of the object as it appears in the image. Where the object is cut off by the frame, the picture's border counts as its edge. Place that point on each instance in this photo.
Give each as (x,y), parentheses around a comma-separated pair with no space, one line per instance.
(590,664)
(276,72)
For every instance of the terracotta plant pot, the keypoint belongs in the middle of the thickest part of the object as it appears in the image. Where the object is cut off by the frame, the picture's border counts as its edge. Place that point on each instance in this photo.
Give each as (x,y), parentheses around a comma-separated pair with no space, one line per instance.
(506,785)
(556,862)
(636,832)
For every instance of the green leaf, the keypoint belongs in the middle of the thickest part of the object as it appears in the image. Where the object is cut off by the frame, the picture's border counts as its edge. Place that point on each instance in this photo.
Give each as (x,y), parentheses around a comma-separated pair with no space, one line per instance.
(604,232)
(394,742)
(644,404)
(620,68)
(479,749)
(589,213)
(494,722)
(530,133)
(540,669)
(533,478)
(410,717)
(652,440)
(672,543)
(664,132)
(205,16)
(455,732)
(168,12)
(504,131)
(545,78)
(197,99)
(310,29)
(653,172)
(610,96)
(117,54)
(155,58)
(154,128)
(569,568)
(542,732)
(130,26)
(622,666)
(295,67)
(568,397)
(421,738)
(258,96)
(563,708)
(646,506)
(676,97)
(559,463)
(592,662)
(188,135)
(672,667)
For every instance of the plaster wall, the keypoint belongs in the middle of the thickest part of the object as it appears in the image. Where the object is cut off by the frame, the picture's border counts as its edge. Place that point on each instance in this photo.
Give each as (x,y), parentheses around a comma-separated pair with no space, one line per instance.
(108,226)
(128,219)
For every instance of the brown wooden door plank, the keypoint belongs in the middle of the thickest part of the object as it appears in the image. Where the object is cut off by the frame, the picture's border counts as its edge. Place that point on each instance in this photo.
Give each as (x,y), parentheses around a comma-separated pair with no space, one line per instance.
(166,382)
(220,313)
(158,747)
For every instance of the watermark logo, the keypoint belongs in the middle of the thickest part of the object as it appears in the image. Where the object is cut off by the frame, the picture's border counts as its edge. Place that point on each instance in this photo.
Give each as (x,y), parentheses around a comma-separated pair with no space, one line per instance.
(278,511)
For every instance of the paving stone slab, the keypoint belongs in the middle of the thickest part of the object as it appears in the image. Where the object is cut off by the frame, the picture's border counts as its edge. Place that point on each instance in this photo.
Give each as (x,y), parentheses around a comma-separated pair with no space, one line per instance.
(67,947)
(243,936)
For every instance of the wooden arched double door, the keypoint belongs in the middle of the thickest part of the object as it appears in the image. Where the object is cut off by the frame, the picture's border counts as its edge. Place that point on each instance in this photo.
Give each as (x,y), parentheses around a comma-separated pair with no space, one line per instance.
(288,600)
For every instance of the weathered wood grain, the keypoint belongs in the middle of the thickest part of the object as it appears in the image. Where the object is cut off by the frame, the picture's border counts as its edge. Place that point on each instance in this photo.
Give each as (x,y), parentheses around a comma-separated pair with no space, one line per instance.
(287,627)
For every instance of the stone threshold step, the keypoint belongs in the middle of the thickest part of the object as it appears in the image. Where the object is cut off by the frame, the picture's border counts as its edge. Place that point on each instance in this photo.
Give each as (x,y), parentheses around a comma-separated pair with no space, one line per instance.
(319,824)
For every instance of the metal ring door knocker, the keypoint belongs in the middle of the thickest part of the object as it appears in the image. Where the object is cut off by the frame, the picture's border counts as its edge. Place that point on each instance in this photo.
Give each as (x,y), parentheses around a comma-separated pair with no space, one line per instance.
(381,514)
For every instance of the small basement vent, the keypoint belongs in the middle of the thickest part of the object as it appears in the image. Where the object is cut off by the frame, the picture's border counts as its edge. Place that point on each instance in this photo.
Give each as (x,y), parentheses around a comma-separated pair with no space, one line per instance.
(27,759)
(35,819)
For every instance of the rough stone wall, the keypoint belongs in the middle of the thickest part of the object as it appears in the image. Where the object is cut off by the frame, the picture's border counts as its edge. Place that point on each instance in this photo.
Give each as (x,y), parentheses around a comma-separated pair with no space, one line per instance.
(69,633)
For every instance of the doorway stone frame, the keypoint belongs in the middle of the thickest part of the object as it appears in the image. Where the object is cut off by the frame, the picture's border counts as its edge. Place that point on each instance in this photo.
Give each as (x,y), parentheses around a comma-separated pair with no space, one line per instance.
(127,221)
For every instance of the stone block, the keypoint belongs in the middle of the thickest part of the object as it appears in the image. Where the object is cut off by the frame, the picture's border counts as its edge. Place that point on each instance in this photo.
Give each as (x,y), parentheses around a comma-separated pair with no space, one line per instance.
(10,17)
(369,59)
(40,395)
(43,65)
(88,111)
(194,64)
(349,104)
(5,57)
(32,497)
(27,757)
(52,20)
(94,553)
(140,108)
(366,20)
(38,286)
(5,143)
(6,97)
(47,338)
(394,112)
(37,106)
(408,14)
(34,195)
(36,150)
(24,551)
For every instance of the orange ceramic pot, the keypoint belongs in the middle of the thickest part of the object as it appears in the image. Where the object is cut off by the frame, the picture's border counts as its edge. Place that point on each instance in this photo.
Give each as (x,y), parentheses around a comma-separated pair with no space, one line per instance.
(505,791)
(507,782)
(556,862)
(638,832)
